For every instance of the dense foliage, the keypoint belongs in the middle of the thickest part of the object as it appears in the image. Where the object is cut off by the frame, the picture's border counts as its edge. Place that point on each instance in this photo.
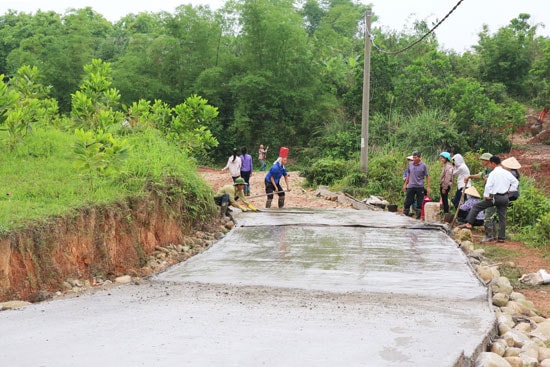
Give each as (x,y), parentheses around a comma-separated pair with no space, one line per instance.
(282,73)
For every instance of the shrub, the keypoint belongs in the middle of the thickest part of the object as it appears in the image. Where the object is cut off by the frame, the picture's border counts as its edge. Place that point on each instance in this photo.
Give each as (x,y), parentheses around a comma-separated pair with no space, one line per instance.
(326,171)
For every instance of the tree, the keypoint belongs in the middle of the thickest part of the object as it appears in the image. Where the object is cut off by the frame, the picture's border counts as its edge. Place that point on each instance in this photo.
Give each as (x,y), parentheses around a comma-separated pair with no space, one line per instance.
(506,56)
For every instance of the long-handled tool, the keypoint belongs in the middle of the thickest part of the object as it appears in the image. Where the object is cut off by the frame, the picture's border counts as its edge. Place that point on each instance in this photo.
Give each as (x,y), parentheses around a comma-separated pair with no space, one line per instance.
(261,195)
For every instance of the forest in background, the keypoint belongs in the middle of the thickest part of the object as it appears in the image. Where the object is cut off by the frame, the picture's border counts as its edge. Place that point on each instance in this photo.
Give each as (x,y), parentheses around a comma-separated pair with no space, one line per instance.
(290,74)
(268,71)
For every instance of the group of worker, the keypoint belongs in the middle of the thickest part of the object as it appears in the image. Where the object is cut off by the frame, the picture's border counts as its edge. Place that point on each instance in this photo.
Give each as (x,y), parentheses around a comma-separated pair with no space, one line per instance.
(501,187)
(229,194)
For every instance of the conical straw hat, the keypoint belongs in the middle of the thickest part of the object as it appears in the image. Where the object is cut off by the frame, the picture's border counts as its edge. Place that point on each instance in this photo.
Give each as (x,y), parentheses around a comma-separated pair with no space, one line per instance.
(472,191)
(511,163)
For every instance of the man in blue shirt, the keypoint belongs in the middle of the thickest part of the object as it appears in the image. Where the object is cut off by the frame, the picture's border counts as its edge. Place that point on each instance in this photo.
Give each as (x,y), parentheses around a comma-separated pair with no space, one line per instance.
(272,182)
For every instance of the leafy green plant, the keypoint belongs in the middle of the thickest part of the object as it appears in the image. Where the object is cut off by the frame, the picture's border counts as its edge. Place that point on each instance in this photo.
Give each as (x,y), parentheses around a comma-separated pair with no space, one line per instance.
(24,104)
(98,154)
(95,105)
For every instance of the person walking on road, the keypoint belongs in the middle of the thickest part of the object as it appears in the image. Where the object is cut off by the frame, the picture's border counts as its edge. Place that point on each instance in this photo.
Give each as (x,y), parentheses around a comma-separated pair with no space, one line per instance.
(246,169)
(489,225)
(273,184)
(229,194)
(414,184)
(234,165)
(499,184)
(262,155)
(445,180)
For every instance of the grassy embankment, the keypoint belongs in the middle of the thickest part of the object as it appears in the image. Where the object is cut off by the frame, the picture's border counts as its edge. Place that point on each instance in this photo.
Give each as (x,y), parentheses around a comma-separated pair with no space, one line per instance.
(39,179)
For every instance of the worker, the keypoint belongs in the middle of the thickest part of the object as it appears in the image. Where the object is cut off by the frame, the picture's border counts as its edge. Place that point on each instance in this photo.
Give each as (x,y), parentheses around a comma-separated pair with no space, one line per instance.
(229,194)
(273,184)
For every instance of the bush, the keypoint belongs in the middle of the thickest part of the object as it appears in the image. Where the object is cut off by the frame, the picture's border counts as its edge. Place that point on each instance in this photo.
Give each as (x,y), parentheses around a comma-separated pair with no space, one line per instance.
(326,171)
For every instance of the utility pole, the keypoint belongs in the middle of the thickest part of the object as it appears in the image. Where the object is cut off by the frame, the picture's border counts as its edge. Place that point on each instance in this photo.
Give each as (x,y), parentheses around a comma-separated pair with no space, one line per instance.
(366,94)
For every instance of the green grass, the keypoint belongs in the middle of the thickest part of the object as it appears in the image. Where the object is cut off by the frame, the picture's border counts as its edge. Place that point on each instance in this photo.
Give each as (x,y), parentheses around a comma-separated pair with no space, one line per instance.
(38,178)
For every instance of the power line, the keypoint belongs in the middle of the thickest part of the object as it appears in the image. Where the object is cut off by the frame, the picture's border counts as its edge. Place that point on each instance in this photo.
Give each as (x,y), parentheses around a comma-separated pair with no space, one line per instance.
(371,36)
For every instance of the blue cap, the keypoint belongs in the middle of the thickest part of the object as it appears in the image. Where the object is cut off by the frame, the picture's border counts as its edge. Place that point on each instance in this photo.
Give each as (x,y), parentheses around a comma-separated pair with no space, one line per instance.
(446,155)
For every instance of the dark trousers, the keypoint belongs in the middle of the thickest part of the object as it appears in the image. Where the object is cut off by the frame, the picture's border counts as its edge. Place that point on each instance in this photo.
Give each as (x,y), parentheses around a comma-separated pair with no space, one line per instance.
(412,194)
(456,199)
(246,177)
(224,199)
(270,189)
(445,198)
(461,217)
(500,202)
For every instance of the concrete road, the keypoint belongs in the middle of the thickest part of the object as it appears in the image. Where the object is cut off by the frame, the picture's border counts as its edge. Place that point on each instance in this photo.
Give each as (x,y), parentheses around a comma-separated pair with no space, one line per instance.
(284,288)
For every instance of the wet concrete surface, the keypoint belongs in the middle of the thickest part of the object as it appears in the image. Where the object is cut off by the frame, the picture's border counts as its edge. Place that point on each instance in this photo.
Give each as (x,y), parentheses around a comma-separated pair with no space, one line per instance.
(283,288)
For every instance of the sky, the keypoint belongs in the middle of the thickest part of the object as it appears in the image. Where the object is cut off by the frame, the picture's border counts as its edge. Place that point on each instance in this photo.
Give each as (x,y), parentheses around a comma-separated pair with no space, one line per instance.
(459,32)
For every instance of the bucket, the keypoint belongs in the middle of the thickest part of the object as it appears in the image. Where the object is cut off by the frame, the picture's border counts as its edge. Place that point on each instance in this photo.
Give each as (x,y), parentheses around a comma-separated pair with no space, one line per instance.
(431,212)
(427,199)
(283,152)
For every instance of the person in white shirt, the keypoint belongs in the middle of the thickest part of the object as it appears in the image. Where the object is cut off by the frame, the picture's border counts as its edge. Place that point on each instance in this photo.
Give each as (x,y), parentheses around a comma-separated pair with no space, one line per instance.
(234,165)
(499,183)
(461,171)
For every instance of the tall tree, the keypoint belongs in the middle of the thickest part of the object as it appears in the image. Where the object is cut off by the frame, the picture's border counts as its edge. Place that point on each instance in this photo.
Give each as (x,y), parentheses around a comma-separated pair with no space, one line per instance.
(506,56)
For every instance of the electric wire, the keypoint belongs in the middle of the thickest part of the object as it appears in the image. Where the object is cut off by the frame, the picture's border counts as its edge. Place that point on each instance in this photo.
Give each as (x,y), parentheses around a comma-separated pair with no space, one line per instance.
(371,36)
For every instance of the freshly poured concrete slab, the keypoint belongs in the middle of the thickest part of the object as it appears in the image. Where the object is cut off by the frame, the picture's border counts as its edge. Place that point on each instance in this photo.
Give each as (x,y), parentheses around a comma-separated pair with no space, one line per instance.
(292,288)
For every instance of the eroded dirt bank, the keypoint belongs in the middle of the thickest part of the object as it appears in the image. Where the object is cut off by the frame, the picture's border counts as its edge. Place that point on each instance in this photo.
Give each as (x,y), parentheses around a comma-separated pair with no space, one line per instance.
(105,241)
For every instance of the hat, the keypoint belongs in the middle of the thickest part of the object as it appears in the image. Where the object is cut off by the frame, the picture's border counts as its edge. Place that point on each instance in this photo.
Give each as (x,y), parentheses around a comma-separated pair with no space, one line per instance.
(417,154)
(511,163)
(472,192)
(485,156)
(445,155)
(410,158)
(239,181)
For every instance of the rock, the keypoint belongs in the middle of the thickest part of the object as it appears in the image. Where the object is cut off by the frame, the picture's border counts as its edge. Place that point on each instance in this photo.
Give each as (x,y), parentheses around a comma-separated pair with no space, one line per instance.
(515,338)
(467,246)
(545,363)
(499,347)
(486,274)
(514,361)
(124,279)
(524,327)
(40,296)
(500,299)
(462,234)
(487,359)
(542,331)
(544,353)
(502,285)
(529,362)
(512,352)
(12,305)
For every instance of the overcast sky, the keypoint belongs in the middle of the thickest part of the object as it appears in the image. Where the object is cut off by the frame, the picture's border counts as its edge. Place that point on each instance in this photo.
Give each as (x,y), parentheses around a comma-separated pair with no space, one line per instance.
(458,32)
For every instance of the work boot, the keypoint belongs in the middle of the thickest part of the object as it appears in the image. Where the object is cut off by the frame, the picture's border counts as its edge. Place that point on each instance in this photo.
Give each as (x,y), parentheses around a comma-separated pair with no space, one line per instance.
(418,213)
(224,209)
(268,203)
(281,202)
(406,212)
